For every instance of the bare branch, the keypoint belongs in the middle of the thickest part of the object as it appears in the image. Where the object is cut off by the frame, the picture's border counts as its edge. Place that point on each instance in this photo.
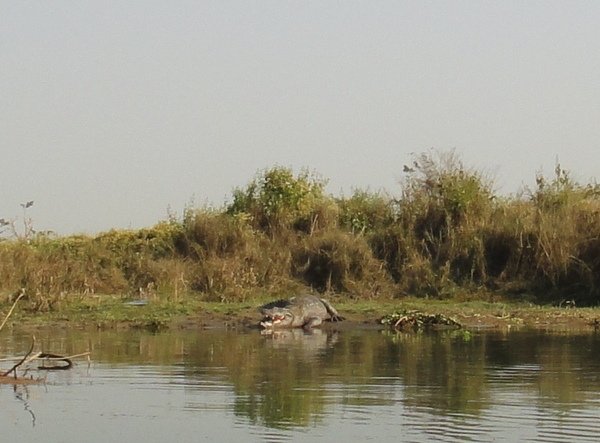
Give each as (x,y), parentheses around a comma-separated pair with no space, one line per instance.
(14,368)
(21,294)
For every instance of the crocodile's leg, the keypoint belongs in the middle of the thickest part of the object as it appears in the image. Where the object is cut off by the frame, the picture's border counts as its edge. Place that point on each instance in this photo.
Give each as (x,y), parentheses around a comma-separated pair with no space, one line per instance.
(312,322)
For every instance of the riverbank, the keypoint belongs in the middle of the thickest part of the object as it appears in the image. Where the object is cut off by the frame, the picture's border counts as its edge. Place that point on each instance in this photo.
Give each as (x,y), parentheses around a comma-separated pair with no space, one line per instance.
(443,235)
(112,312)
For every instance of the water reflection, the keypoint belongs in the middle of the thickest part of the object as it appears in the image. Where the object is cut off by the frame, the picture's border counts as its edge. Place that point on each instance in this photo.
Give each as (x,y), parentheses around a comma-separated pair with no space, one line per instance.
(22,394)
(292,379)
(445,386)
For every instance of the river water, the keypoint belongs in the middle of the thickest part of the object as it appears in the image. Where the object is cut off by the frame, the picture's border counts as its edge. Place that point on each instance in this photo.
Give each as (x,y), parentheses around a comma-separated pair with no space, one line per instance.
(362,385)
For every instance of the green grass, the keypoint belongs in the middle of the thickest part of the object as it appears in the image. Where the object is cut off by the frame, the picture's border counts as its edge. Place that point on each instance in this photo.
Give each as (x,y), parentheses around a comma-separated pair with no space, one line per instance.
(110,312)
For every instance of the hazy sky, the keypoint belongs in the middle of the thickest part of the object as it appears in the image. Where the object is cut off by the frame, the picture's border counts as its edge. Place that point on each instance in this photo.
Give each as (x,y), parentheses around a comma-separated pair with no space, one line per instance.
(112,111)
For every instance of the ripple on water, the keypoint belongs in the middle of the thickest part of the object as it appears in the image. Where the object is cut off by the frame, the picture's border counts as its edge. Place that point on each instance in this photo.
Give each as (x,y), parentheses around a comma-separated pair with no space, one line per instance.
(576,425)
(518,403)
(453,393)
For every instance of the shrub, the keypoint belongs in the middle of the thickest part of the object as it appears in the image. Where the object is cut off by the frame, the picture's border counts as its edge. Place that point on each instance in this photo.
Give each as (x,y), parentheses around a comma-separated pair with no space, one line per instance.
(438,234)
(276,199)
(207,233)
(336,261)
(365,212)
(566,225)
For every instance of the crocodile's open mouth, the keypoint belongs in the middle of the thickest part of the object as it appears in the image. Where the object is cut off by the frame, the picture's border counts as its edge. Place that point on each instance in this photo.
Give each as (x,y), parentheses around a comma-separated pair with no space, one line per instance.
(271,321)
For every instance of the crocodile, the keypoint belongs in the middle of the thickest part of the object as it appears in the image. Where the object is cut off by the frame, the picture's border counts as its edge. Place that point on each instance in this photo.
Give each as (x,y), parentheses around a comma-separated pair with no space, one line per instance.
(303,311)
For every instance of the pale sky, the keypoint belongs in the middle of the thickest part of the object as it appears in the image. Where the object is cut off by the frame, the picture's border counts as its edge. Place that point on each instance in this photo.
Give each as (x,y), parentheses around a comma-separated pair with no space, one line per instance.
(113,111)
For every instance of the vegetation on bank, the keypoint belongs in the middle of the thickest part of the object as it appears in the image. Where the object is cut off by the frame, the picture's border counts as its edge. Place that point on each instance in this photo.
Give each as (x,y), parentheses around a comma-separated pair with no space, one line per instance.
(445,235)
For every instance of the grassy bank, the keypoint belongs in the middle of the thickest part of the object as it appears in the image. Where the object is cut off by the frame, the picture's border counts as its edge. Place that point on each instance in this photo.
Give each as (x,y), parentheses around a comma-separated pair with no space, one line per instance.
(112,312)
(444,235)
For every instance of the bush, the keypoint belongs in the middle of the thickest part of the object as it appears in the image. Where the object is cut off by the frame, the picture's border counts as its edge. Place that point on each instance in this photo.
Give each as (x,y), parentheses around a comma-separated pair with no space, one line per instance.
(50,269)
(276,200)
(437,240)
(566,226)
(210,233)
(336,261)
(365,212)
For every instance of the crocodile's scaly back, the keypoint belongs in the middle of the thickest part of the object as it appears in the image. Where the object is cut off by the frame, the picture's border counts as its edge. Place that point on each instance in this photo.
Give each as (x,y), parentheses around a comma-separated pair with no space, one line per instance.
(281,303)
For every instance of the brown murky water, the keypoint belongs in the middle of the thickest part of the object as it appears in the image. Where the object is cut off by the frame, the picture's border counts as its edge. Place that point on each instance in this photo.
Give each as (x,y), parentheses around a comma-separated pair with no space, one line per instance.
(344,386)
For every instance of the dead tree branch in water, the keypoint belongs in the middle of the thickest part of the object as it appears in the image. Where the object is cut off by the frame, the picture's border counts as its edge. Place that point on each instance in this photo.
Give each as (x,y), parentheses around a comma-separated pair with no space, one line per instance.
(29,357)
(14,368)
(47,357)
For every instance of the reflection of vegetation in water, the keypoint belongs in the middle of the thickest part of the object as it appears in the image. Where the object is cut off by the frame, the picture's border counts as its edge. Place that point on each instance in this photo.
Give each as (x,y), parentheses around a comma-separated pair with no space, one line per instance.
(283,381)
(558,383)
(557,368)
(441,371)
(287,382)
(277,378)
(296,379)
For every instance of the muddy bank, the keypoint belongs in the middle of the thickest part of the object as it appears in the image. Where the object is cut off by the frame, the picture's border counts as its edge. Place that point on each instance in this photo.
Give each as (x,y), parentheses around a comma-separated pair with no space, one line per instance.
(114,313)
(538,318)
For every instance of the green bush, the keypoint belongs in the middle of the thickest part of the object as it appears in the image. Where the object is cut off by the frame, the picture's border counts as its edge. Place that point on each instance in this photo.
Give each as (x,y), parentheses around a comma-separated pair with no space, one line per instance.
(365,212)
(276,199)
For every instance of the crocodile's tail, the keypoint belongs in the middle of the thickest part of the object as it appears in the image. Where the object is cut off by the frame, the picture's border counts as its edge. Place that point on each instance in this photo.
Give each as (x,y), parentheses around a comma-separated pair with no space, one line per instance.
(333,313)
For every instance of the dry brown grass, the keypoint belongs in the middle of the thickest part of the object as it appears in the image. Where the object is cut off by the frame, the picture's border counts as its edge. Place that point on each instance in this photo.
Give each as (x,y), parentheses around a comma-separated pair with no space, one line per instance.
(447,232)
